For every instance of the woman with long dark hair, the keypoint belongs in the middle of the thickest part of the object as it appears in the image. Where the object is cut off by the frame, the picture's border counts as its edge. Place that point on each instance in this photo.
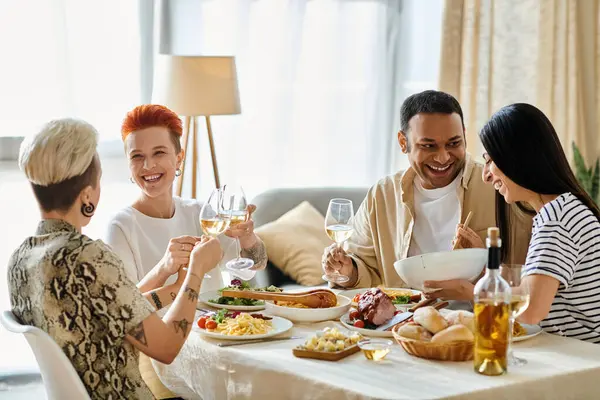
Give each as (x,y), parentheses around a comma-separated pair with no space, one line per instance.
(527,164)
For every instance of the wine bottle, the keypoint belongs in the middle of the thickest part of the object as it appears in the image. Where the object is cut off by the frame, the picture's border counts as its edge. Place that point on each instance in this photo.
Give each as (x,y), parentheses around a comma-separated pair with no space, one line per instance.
(492,295)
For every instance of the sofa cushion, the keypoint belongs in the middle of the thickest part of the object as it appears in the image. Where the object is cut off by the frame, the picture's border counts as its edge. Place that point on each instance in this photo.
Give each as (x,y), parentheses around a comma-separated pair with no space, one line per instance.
(295,243)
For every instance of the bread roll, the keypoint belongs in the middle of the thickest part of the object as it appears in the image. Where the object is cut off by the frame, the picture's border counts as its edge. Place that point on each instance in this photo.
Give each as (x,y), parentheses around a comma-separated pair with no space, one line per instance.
(414,331)
(462,317)
(452,334)
(430,319)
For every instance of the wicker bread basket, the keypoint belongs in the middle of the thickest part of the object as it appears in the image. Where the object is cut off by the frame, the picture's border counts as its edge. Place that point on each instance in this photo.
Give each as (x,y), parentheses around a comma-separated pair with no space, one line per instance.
(453,351)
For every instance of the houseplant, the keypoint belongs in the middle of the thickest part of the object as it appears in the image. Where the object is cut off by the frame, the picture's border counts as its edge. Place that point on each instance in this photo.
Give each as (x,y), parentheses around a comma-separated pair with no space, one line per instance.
(588,177)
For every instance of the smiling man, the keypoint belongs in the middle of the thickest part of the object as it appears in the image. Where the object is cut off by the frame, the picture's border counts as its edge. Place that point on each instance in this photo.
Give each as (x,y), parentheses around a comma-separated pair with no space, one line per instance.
(421,210)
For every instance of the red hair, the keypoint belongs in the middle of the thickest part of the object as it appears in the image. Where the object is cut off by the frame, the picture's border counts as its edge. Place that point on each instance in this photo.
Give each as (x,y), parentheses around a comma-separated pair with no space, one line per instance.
(149,115)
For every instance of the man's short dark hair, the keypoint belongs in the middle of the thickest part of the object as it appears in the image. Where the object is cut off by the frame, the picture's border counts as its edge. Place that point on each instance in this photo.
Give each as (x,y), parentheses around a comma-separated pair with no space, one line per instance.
(428,102)
(62,195)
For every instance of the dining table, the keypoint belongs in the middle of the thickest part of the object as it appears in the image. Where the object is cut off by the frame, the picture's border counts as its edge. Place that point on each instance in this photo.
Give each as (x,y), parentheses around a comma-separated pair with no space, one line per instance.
(557,368)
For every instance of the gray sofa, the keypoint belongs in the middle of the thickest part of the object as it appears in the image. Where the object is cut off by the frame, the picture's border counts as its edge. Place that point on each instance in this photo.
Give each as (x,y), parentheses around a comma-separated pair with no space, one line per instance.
(273,203)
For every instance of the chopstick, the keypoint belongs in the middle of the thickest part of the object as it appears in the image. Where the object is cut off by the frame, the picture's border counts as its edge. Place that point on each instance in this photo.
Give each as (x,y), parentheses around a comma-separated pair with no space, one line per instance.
(466,225)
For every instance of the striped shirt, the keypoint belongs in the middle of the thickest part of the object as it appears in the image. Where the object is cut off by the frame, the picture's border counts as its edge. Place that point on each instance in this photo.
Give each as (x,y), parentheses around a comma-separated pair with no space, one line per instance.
(565,244)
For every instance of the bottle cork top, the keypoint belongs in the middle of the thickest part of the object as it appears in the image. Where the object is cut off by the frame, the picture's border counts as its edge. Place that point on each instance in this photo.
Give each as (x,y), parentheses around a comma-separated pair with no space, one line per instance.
(493,237)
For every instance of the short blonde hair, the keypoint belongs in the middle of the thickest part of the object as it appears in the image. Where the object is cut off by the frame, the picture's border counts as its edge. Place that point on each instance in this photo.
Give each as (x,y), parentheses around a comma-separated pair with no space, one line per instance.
(61,150)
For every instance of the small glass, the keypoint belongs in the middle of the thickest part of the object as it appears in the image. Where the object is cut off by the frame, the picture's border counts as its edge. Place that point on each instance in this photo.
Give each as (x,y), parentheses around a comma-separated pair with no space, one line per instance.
(375,349)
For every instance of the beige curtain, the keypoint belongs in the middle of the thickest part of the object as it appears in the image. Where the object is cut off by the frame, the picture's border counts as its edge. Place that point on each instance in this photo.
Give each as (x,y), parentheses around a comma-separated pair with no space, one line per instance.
(543,52)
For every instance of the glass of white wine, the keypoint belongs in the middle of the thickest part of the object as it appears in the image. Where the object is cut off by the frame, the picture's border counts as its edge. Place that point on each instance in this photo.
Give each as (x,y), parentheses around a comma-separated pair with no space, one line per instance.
(236,206)
(339,227)
(213,219)
(518,304)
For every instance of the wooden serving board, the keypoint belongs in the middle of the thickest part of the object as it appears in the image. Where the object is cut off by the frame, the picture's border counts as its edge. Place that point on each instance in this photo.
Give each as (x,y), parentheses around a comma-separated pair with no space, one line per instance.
(326,355)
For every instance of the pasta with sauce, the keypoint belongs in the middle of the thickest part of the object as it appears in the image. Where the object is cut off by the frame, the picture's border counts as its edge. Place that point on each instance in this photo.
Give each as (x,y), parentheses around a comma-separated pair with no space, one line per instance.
(244,324)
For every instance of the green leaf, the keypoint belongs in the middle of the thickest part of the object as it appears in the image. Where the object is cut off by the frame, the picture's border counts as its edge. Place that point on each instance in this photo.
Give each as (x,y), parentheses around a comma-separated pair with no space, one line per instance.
(220,316)
(581,171)
(596,182)
(401,300)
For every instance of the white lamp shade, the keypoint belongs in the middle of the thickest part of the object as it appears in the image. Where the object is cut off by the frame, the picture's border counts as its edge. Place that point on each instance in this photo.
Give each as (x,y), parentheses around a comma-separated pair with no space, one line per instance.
(197,85)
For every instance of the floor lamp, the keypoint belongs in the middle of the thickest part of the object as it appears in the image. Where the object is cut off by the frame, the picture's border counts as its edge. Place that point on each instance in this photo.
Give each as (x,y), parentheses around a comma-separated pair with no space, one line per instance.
(195,86)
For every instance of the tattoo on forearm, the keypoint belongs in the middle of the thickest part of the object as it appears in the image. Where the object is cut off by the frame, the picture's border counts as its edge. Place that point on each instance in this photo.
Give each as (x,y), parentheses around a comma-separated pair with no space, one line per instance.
(156,301)
(181,326)
(173,295)
(139,334)
(257,253)
(192,294)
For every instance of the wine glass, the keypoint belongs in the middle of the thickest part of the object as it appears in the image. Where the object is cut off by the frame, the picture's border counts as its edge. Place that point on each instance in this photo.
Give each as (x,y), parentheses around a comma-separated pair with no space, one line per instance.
(518,304)
(339,227)
(235,203)
(213,219)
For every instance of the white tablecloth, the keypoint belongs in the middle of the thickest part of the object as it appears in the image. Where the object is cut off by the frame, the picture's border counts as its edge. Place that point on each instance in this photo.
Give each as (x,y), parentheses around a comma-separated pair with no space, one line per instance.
(558,368)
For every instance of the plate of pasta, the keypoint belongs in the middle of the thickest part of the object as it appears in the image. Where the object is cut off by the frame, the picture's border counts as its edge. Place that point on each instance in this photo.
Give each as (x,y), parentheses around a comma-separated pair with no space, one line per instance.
(240,325)
(525,331)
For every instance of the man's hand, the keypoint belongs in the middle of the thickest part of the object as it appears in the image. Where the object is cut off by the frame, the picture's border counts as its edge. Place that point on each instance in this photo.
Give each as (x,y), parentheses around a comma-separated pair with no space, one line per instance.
(467,238)
(455,289)
(335,259)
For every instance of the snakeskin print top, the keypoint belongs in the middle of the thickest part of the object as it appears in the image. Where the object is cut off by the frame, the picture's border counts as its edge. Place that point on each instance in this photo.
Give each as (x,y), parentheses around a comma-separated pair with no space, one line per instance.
(76,290)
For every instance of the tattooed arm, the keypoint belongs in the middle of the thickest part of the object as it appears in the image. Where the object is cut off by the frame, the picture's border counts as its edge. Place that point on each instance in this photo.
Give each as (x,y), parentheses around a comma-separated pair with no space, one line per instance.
(257,253)
(162,339)
(164,296)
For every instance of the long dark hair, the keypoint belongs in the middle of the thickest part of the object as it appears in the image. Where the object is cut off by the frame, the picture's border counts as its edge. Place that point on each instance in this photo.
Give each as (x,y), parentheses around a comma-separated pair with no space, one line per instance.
(522,142)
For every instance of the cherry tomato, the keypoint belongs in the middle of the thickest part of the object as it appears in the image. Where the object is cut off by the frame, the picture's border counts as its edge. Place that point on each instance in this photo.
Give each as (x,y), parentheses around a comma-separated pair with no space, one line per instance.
(202,323)
(211,325)
(359,323)
(354,314)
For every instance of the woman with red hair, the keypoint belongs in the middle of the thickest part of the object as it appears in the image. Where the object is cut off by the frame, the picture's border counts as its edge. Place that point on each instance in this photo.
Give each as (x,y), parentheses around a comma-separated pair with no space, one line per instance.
(155,235)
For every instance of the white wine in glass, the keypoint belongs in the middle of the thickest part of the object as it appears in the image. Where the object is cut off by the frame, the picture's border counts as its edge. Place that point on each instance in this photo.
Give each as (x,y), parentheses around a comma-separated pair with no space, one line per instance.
(339,233)
(214,226)
(237,217)
(339,227)
(518,304)
(213,220)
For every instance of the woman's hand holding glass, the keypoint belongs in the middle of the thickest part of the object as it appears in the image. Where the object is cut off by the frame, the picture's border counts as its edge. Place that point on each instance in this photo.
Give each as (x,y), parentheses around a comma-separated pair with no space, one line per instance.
(243,230)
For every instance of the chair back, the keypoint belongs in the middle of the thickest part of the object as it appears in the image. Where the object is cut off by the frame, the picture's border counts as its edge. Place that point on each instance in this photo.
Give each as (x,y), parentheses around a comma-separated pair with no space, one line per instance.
(60,378)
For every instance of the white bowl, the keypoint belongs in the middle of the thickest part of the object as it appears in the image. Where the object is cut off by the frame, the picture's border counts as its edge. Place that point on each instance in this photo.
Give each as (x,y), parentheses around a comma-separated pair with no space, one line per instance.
(309,314)
(441,266)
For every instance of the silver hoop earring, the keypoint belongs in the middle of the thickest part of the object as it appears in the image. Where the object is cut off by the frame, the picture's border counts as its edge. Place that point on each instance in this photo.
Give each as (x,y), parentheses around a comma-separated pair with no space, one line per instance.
(131,179)
(177,172)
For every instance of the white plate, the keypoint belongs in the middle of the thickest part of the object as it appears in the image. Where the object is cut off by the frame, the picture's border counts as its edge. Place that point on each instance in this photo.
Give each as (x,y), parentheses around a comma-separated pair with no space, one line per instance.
(280,325)
(345,320)
(310,314)
(532,330)
(441,266)
(351,293)
(204,297)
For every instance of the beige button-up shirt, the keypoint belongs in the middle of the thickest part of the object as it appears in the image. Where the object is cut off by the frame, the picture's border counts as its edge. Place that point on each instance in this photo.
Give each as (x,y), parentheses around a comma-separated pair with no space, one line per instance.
(384,223)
